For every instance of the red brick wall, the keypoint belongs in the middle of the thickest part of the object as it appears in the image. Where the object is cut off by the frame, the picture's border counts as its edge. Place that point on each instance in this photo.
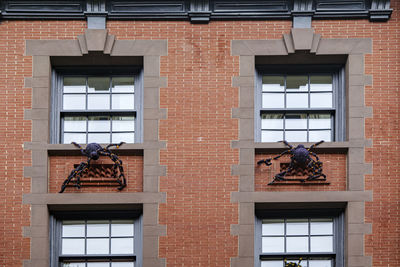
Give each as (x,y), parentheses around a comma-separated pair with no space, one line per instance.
(199,130)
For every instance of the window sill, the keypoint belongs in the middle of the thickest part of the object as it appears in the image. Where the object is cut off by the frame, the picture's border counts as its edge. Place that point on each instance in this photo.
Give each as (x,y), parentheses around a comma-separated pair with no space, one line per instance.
(328,147)
(71,150)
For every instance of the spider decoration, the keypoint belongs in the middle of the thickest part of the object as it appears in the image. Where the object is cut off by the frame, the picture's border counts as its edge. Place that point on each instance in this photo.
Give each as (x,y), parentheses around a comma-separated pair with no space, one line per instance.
(300,157)
(93,151)
(293,264)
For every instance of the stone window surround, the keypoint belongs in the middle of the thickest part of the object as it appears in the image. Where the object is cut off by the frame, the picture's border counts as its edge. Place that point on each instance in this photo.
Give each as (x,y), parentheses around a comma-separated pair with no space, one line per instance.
(353,199)
(42,203)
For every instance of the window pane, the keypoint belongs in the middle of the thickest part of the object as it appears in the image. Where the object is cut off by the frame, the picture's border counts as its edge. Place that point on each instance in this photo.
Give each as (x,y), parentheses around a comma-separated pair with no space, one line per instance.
(273,244)
(121,245)
(272,100)
(303,263)
(97,246)
(123,84)
(296,136)
(73,246)
(320,121)
(321,100)
(79,138)
(74,102)
(320,263)
(297,100)
(99,138)
(273,83)
(75,124)
(123,137)
(297,83)
(296,121)
(321,243)
(74,85)
(73,264)
(98,228)
(98,264)
(98,102)
(273,227)
(271,136)
(272,121)
(98,84)
(297,244)
(297,227)
(122,123)
(122,264)
(73,228)
(321,227)
(272,263)
(321,83)
(316,136)
(99,124)
(122,228)
(123,101)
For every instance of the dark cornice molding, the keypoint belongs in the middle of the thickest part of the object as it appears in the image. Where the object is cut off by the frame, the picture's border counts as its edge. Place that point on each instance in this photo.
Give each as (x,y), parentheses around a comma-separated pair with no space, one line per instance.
(197,11)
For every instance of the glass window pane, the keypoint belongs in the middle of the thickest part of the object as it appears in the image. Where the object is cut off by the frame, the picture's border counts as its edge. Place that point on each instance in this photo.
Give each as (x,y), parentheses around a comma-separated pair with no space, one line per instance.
(273,227)
(123,101)
(296,121)
(271,136)
(121,245)
(97,246)
(73,264)
(316,136)
(75,124)
(321,83)
(321,100)
(297,100)
(296,136)
(122,228)
(303,263)
(79,138)
(272,121)
(74,102)
(320,121)
(273,244)
(99,138)
(320,263)
(123,123)
(122,264)
(272,263)
(123,137)
(297,244)
(272,100)
(321,227)
(98,102)
(98,84)
(321,243)
(74,84)
(123,84)
(297,227)
(99,124)
(98,264)
(73,228)
(273,83)
(73,246)
(98,228)
(297,83)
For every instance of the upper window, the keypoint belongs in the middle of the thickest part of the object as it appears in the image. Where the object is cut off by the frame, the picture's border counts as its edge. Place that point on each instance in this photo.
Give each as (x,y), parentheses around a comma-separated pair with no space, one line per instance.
(97,108)
(316,238)
(301,104)
(96,240)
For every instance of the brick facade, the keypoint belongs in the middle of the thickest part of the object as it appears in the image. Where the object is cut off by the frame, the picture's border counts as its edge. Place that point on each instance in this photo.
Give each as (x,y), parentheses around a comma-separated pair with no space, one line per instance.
(198,217)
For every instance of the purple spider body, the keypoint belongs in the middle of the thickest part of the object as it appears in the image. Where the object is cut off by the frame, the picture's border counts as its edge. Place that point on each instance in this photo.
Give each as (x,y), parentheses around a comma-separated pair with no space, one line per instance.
(301,155)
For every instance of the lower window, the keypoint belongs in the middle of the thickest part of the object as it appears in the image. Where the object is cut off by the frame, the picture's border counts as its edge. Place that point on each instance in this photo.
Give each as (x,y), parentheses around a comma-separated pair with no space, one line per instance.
(311,238)
(87,239)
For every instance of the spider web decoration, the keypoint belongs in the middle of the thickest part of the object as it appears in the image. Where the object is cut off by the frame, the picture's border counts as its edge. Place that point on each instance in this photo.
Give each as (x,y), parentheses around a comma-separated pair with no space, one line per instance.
(97,175)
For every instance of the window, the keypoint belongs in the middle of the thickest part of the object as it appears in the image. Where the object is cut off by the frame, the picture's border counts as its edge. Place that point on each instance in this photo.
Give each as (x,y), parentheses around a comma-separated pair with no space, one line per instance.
(314,236)
(95,239)
(301,104)
(97,107)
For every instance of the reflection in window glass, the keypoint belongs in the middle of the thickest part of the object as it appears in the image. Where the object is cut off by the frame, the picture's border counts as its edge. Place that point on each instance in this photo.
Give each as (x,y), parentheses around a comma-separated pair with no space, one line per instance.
(297,244)
(272,121)
(270,100)
(273,244)
(271,136)
(75,124)
(98,84)
(297,101)
(321,100)
(321,83)
(74,85)
(100,101)
(273,227)
(297,83)
(296,121)
(74,102)
(273,83)
(123,84)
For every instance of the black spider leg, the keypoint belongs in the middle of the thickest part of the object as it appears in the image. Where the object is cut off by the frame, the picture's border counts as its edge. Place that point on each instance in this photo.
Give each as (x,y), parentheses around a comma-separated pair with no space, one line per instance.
(287,144)
(117,167)
(268,161)
(111,145)
(316,168)
(76,173)
(80,148)
(281,176)
(316,144)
